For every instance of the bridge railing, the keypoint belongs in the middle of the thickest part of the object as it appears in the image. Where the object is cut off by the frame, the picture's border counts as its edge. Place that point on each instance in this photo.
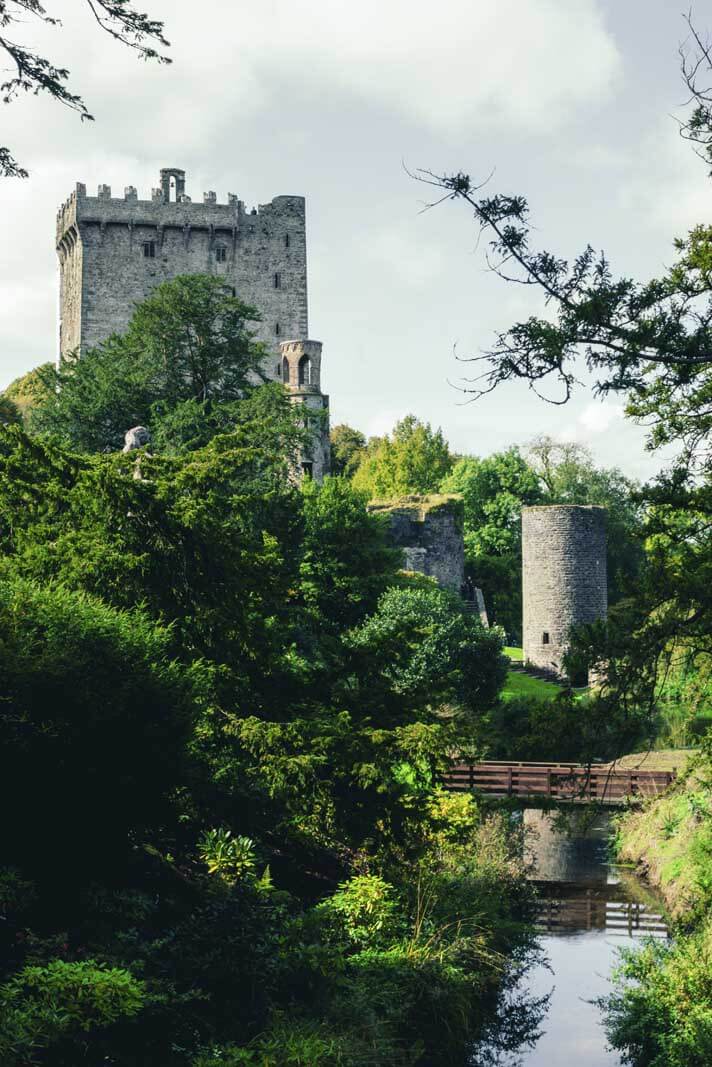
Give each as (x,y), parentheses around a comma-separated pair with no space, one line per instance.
(558,781)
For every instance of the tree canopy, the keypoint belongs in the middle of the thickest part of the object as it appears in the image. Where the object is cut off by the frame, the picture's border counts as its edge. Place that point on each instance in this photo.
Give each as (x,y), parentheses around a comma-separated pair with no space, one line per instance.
(414,458)
(188,352)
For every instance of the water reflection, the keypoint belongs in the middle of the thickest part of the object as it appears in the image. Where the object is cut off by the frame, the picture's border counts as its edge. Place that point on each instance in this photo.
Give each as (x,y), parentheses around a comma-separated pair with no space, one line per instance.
(586,910)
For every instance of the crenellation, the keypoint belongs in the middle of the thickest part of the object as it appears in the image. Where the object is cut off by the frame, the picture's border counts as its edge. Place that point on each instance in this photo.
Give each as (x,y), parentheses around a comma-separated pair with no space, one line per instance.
(265,264)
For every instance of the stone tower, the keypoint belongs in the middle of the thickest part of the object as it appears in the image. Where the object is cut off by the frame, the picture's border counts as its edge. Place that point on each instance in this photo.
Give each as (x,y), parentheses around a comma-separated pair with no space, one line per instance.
(563,578)
(113,251)
(300,371)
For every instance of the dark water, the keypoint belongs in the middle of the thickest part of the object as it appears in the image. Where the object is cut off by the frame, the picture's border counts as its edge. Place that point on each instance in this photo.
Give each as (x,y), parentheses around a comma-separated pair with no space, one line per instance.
(588,910)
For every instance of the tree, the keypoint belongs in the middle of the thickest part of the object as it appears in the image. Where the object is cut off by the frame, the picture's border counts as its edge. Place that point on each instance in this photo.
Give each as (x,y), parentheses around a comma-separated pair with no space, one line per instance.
(652,342)
(29,390)
(9,412)
(494,491)
(347,446)
(33,73)
(188,343)
(413,459)
(419,649)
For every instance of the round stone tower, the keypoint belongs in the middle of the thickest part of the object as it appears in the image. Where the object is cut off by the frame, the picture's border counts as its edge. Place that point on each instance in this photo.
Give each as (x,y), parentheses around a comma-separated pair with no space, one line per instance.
(563,578)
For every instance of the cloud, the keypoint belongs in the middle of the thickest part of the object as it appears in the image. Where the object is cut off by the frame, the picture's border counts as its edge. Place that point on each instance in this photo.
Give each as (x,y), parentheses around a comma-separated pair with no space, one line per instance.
(454,66)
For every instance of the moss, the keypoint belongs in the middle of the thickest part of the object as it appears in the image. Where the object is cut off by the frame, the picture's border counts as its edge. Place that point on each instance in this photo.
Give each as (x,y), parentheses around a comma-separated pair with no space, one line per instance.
(424,505)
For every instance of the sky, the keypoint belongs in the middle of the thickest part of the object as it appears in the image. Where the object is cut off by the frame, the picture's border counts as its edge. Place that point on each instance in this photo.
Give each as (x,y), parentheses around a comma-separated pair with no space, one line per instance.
(571,103)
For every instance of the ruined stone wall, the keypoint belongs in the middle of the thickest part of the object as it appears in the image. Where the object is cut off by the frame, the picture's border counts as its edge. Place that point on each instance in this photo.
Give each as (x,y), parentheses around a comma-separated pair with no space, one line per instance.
(564,580)
(104,272)
(429,529)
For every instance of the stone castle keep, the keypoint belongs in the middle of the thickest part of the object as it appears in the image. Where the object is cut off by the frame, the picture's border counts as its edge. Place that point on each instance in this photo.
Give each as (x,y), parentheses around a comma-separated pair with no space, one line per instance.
(113,251)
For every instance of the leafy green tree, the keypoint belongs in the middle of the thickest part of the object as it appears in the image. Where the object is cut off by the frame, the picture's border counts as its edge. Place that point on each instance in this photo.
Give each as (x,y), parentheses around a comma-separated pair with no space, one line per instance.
(9,412)
(29,390)
(494,491)
(188,343)
(414,458)
(650,341)
(98,715)
(420,648)
(346,562)
(347,446)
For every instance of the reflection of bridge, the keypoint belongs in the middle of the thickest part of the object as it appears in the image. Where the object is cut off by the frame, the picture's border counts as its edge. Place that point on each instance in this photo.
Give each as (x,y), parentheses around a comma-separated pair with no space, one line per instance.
(570,782)
(564,907)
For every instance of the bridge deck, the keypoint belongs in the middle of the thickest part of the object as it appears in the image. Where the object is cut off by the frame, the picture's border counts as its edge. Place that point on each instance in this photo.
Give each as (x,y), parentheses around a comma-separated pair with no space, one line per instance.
(570,782)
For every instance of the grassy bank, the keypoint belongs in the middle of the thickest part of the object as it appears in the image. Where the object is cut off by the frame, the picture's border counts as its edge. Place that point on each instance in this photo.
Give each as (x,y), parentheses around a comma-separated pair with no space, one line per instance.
(660,1013)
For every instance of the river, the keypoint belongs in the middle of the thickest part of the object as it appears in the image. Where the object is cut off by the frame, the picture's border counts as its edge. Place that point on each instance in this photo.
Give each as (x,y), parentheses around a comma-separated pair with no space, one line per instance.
(588,909)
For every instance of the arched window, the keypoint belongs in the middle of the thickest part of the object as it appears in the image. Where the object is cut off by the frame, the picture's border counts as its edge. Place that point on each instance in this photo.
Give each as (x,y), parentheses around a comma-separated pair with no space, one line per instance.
(285,371)
(305,371)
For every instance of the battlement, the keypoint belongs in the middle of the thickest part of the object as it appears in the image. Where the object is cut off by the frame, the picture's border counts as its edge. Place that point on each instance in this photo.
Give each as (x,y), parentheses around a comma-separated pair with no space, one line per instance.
(161,210)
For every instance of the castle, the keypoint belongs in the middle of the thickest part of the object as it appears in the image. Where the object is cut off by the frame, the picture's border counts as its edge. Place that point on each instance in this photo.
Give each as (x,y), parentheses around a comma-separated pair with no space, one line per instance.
(113,251)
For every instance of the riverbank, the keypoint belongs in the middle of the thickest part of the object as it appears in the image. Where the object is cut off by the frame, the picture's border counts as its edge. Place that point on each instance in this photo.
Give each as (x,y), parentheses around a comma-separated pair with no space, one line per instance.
(660,1013)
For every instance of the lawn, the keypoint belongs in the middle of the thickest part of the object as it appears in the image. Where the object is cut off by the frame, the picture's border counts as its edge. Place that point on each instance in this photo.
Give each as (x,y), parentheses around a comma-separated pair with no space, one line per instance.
(513,653)
(522,685)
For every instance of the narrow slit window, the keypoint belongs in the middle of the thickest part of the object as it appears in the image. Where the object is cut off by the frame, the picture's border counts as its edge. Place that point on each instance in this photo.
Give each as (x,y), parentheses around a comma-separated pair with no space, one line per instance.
(545,638)
(277,329)
(278,281)
(149,249)
(287,240)
(233,290)
(221,254)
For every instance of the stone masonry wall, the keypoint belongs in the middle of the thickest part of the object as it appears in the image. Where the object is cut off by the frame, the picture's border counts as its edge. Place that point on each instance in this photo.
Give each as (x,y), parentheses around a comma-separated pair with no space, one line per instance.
(564,580)
(104,272)
(430,531)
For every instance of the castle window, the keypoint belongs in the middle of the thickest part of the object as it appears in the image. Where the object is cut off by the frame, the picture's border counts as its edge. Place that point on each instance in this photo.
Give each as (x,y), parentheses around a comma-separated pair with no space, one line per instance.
(278,281)
(545,638)
(221,254)
(308,470)
(149,249)
(287,240)
(277,329)
(285,371)
(305,371)
(233,291)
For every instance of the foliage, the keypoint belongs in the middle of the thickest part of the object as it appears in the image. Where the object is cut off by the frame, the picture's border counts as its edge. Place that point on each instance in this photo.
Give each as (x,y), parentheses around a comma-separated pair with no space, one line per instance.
(222,730)
(63,1004)
(347,446)
(494,490)
(414,458)
(660,1011)
(9,412)
(420,648)
(29,390)
(33,73)
(187,349)
(87,690)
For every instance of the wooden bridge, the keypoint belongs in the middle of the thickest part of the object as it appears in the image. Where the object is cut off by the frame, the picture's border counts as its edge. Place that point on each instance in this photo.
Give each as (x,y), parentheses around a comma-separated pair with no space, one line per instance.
(569,782)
